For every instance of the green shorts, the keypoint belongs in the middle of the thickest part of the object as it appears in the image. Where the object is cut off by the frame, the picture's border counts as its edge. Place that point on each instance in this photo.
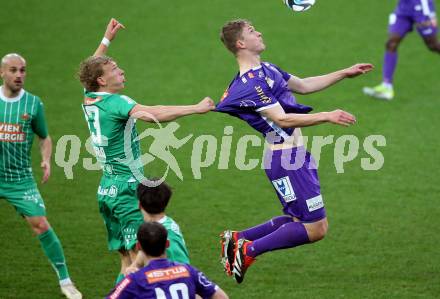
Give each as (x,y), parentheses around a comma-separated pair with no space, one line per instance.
(24,196)
(119,207)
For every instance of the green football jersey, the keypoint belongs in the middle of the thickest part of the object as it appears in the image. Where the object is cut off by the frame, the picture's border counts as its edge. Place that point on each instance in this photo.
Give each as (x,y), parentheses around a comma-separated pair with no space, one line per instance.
(115,144)
(20,119)
(177,251)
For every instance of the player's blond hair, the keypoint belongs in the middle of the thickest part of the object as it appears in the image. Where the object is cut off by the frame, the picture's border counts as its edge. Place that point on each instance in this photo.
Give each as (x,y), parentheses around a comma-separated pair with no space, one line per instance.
(5,58)
(231,32)
(91,69)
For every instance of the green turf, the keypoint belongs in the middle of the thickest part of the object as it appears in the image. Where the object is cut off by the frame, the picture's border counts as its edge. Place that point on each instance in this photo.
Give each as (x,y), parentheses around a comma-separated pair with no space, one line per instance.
(383,240)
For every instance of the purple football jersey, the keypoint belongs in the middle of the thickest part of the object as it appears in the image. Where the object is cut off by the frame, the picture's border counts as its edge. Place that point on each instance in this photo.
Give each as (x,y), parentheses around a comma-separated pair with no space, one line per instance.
(415,8)
(162,279)
(258,89)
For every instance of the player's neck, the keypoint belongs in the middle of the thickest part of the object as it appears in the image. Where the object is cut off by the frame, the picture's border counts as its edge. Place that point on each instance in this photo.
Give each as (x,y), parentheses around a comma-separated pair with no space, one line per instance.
(152,258)
(247,61)
(153,217)
(107,90)
(9,93)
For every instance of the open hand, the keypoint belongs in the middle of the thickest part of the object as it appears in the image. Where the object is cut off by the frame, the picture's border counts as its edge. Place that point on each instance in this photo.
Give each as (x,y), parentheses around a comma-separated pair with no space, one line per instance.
(340,117)
(358,69)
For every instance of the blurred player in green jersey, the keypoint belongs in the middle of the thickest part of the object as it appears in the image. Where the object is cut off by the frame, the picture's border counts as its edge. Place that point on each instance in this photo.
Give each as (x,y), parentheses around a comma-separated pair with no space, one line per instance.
(108,114)
(22,117)
(153,202)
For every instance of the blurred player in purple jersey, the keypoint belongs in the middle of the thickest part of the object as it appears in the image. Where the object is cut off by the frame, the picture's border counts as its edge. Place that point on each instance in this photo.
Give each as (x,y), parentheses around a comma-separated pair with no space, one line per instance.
(261,95)
(162,278)
(407,15)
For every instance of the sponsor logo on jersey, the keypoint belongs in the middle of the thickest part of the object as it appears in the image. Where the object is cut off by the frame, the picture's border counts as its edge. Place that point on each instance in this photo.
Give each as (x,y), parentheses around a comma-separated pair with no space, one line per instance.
(263,98)
(11,133)
(248,103)
(270,82)
(244,80)
(171,273)
(89,101)
(121,286)
(315,203)
(284,188)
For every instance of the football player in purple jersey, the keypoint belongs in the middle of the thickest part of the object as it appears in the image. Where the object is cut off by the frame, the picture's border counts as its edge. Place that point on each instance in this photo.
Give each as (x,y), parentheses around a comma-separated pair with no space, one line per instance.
(261,95)
(407,15)
(162,278)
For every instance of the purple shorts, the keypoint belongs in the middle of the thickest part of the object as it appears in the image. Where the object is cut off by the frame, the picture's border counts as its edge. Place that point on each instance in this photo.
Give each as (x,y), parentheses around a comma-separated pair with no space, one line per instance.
(403,24)
(295,179)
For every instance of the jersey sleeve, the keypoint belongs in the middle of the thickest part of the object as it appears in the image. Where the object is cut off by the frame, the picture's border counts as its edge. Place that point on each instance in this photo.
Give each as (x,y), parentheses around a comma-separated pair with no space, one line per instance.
(39,125)
(121,106)
(175,251)
(126,289)
(286,75)
(256,96)
(204,287)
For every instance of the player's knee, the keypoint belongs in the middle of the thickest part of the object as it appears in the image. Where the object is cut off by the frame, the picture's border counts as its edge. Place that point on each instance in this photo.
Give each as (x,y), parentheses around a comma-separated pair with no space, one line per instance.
(40,225)
(392,45)
(319,231)
(433,45)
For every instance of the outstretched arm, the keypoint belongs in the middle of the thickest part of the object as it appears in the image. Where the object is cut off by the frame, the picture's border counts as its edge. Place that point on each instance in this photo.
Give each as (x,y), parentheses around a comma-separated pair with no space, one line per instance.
(313,84)
(110,33)
(293,120)
(169,113)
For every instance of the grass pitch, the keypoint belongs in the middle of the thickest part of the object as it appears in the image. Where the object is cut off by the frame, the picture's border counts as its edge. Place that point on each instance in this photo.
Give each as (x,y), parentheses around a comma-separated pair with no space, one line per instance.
(383,240)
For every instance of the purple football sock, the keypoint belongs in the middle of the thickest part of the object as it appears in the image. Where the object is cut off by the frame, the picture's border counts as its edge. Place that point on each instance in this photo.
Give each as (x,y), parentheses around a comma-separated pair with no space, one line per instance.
(287,236)
(389,66)
(264,229)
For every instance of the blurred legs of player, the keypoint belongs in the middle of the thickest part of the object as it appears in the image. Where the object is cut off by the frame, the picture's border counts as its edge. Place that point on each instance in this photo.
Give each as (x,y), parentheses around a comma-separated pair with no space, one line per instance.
(398,28)
(27,200)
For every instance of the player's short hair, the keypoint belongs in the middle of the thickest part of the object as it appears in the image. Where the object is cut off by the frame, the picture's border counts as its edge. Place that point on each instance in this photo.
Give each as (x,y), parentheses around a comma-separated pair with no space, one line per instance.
(154,200)
(91,69)
(5,58)
(152,237)
(231,32)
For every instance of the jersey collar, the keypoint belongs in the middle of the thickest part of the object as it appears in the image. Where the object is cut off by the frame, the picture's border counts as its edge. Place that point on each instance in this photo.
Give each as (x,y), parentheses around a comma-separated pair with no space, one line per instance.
(10,100)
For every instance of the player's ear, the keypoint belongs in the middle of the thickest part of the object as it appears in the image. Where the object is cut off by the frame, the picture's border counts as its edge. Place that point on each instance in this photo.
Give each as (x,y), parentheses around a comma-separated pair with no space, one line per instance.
(167,244)
(239,44)
(101,81)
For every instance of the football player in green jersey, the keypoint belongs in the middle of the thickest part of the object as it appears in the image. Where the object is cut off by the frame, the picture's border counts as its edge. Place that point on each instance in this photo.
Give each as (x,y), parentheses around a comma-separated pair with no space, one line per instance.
(108,114)
(22,117)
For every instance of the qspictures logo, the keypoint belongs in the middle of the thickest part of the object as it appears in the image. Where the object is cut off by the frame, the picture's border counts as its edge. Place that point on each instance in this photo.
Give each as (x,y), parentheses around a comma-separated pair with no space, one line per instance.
(11,133)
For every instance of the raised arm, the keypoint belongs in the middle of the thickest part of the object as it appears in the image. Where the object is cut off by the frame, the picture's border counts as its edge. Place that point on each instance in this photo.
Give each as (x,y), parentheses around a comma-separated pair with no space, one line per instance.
(293,120)
(169,113)
(313,84)
(110,33)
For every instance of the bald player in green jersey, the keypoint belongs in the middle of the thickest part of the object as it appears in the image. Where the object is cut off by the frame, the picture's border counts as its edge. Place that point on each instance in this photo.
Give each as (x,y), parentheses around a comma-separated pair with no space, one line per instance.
(22,117)
(109,114)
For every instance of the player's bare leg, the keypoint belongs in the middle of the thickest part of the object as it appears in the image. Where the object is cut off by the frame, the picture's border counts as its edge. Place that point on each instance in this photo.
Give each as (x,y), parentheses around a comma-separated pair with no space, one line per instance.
(384,91)
(52,248)
(432,43)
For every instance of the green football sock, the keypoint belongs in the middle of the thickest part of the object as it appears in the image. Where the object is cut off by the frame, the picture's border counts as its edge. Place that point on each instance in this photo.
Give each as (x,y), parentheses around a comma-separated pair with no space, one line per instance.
(54,252)
(119,278)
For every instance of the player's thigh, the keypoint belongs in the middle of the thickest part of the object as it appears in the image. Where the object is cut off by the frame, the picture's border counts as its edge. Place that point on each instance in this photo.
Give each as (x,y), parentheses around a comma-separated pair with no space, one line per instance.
(128,213)
(427,30)
(295,180)
(25,198)
(120,206)
(399,26)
